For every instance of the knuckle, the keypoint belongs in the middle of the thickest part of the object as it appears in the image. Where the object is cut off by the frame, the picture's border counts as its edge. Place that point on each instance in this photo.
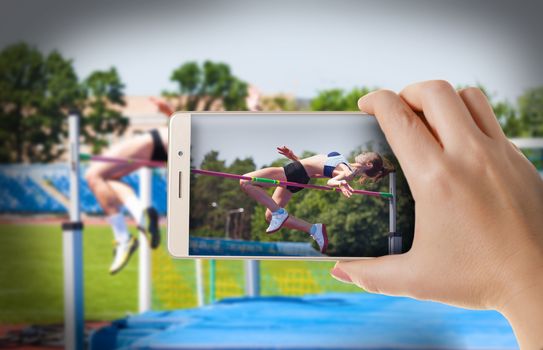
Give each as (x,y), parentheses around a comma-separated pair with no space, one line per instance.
(377,98)
(437,87)
(385,95)
(470,92)
(478,157)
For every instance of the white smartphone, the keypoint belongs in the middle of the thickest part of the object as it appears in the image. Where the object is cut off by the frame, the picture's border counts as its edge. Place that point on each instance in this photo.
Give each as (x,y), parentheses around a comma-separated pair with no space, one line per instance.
(321,186)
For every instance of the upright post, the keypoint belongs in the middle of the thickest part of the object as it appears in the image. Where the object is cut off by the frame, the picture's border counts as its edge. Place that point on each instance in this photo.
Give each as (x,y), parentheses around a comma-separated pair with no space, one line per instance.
(212,277)
(144,295)
(199,282)
(72,249)
(394,237)
(252,278)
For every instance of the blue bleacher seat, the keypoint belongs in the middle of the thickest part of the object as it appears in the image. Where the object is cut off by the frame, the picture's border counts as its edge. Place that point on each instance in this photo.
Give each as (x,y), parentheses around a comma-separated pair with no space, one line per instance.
(22,193)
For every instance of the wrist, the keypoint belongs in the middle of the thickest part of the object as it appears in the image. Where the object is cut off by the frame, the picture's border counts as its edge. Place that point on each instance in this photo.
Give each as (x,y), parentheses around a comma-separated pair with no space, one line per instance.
(523,307)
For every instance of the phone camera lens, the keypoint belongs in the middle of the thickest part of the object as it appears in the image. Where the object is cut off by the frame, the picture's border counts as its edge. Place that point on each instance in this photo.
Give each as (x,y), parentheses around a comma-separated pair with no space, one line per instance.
(180,153)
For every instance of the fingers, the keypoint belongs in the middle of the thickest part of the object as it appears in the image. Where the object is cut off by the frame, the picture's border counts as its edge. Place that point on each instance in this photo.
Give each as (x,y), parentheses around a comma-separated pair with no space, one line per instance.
(444,111)
(346,189)
(481,112)
(346,193)
(385,275)
(411,141)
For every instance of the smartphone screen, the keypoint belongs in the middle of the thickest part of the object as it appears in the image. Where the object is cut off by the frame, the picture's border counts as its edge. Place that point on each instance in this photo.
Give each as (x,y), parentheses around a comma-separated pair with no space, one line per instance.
(266,185)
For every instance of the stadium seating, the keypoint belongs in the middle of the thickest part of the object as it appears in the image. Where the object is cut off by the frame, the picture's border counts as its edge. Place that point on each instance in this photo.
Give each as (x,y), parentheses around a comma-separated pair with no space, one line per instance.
(23,189)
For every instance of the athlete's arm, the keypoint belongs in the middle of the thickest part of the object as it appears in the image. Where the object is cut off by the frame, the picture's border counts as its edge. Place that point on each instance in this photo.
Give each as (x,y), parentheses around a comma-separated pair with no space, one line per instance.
(340,182)
(287,152)
(163,106)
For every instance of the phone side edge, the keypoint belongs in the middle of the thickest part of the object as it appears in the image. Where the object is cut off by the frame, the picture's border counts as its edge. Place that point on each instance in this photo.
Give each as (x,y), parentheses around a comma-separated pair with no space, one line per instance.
(179,134)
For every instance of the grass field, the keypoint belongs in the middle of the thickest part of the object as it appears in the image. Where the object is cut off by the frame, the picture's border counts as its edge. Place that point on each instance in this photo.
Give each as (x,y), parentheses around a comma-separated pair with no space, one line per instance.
(32,280)
(32,276)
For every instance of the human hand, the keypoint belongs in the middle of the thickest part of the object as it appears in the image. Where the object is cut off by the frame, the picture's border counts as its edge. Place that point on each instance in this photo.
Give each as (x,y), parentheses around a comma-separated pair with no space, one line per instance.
(253,99)
(478,208)
(287,152)
(345,188)
(163,106)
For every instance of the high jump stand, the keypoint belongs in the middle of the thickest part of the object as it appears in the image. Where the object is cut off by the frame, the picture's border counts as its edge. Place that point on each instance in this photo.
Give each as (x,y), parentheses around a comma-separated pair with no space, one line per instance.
(72,242)
(72,248)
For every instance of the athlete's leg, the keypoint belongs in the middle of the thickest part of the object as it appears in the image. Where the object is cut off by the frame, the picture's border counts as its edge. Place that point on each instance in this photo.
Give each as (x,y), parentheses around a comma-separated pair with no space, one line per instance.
(257,192)
(282,196)
(102,175)
(163,132)
(103,180)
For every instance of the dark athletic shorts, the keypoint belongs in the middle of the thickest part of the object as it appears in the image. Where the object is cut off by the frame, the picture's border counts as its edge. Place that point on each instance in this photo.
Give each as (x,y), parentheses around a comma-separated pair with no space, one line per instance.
(295,172)
(159,152)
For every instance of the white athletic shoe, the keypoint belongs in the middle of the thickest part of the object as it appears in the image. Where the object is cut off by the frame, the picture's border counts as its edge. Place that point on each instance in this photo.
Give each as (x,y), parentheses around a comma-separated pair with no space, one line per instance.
(122,253)
(321,237)
(278,219)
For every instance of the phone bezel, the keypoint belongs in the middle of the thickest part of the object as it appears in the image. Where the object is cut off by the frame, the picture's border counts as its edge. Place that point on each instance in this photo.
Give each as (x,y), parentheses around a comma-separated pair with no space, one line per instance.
(180,140)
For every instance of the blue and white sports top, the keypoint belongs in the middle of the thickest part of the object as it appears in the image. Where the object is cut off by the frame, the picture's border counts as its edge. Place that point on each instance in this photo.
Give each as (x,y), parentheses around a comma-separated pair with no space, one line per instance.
(333,160)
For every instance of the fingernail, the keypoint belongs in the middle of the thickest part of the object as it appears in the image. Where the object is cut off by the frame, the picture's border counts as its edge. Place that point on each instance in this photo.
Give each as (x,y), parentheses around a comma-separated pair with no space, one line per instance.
(340,275)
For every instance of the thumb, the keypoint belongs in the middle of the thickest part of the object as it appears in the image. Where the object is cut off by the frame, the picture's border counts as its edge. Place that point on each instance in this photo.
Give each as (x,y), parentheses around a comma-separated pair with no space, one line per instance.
(388,275)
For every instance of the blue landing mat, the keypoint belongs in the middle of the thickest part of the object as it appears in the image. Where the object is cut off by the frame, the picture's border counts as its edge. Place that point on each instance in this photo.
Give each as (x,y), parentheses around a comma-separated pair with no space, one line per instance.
(331,321)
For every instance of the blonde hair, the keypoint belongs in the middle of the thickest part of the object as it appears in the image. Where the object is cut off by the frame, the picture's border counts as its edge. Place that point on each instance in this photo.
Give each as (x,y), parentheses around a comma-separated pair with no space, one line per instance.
(381,167)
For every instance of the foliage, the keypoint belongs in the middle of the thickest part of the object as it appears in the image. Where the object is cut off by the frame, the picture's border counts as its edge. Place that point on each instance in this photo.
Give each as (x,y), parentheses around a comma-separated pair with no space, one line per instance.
(203,87)
(531,112)
(338,99)
(103,89)
(213,199)
(36,93)
(280,102)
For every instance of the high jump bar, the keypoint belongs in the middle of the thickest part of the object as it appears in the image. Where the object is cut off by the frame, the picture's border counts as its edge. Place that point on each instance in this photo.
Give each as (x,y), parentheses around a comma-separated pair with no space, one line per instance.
(263,180)
(387,195)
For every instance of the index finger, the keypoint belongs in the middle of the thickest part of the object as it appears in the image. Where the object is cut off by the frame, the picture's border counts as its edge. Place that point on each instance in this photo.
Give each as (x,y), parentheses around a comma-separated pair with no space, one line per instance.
(410,140)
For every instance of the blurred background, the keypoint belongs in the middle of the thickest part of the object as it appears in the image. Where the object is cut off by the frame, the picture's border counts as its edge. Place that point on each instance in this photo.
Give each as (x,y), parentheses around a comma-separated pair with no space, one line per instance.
(109,59)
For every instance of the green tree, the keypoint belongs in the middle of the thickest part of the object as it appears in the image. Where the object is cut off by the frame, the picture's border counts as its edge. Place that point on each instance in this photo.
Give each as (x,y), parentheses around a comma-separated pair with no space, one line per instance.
(36,93)
(530,109)
(338,99)
(200,87)
(508,118)
(213,197)
(102,116)
(233,198)
(205,194)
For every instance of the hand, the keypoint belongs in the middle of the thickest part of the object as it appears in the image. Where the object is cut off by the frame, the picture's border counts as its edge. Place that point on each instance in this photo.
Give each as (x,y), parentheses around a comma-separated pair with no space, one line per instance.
(345,188)
(253,99)
(163,106)
(478,202)
(287,152)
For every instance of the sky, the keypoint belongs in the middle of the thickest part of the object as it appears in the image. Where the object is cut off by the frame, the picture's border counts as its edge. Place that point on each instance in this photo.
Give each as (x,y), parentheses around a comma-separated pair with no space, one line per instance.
(258,136)
(298,47)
